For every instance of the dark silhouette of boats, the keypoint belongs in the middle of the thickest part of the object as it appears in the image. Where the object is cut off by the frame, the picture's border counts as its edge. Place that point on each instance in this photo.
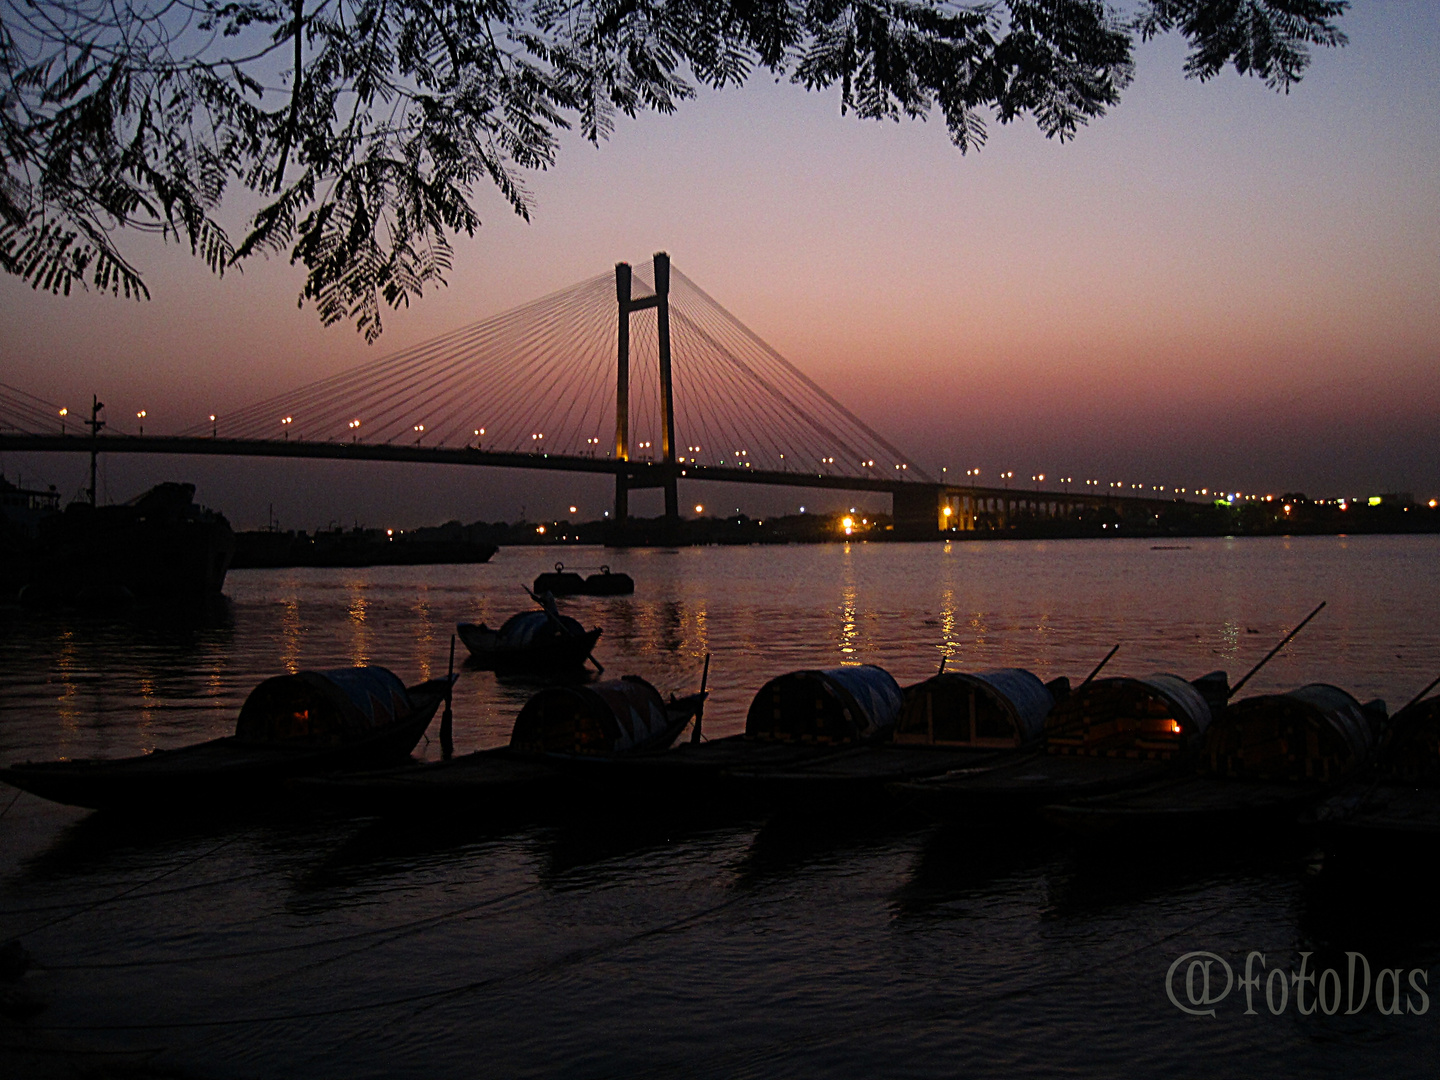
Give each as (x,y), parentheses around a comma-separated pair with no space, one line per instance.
(290,725)
(159,546)
(531,642)
(1107,734)
(795,719)
(1264,760)
(1392,815)
(953,720)
(562,582)
(562,748)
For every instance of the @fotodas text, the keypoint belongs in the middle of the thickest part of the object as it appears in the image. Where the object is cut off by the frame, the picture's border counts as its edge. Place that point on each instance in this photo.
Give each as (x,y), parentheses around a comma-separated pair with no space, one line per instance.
(1198,982)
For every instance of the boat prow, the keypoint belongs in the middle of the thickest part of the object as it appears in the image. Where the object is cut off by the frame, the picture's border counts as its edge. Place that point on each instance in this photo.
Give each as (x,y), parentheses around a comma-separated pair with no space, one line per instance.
(291,725)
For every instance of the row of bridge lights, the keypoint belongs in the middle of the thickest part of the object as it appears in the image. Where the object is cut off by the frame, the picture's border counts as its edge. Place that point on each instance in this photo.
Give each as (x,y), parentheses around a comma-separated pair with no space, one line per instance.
(973,475)
(593,444)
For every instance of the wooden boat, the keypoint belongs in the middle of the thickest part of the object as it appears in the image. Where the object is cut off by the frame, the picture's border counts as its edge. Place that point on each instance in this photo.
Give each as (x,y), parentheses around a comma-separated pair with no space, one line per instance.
(1108,734)
(290,725)
(1264,760)
(1396,810)
(953,720)
(560,748)
(531,641)
(795,719)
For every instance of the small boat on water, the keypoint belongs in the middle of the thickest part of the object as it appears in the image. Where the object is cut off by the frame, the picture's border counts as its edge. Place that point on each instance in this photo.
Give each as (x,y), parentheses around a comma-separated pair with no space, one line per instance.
(534,642)
(1107,734)
(1264,760)
(953,720)
(561,747)
(290,725)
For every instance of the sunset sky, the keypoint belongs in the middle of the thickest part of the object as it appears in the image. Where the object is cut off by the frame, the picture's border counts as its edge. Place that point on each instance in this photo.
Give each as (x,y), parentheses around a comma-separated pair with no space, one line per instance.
(1215,285)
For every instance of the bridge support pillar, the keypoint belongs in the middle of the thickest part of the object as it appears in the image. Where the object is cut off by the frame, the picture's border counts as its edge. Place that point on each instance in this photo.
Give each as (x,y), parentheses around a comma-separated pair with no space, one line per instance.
(670,481)
(622,396)
(917,510)
(667,398)
(622,498)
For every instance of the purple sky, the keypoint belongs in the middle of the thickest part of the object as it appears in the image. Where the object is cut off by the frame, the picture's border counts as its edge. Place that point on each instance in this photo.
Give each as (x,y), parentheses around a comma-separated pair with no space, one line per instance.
(1213,286)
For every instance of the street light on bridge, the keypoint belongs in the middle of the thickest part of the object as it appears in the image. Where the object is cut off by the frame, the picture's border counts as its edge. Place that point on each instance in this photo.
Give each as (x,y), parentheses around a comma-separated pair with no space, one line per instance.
(141,417)
(354,426)
(63,413)
(214,427)
(286,421)
(419,430)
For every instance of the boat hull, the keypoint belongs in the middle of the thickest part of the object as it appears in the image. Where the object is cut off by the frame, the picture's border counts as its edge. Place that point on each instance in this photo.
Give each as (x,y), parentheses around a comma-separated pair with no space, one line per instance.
(496,781)
(1200,806)
(489,653)
(1022,787)
(220,773)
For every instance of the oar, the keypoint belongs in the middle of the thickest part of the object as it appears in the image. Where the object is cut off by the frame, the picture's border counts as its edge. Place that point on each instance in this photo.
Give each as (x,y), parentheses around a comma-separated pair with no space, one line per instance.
(1421,696)
(1283,642)
(1091,677)
(553,615)
(700,709)
(943,658)
(447,718)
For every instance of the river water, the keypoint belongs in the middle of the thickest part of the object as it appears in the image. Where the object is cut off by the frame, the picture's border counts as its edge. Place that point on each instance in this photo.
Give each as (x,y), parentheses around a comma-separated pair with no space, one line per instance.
(668,941)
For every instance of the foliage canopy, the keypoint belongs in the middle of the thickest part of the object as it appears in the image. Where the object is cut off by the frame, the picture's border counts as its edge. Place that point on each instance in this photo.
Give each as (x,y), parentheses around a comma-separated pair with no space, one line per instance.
(362,128)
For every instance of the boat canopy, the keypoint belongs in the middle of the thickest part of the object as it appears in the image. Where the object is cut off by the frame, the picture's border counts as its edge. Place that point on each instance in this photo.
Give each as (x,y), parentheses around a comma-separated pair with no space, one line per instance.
(531,628)
(322,708)
(1410,752)
(835,705)
(1157,716)
(1003,707)
(624,715)
(1317,733)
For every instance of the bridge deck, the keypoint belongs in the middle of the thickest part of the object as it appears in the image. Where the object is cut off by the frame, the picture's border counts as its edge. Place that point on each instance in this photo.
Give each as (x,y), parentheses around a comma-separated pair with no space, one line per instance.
(639,473)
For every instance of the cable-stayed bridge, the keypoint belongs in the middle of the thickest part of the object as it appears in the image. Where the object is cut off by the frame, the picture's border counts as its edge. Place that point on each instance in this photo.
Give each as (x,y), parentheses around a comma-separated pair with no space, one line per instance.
(640,375)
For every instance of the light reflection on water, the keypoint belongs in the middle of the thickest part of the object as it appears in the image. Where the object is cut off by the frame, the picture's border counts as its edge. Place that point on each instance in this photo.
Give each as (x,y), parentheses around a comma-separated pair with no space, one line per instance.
(669,944)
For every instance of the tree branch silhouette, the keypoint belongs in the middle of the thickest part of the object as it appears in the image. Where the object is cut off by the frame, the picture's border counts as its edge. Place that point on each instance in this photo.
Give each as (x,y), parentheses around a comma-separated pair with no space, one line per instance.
(365,127)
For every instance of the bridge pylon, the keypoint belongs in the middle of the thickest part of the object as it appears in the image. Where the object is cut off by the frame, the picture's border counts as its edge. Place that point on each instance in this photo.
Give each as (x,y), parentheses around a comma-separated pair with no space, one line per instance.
(669,475)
